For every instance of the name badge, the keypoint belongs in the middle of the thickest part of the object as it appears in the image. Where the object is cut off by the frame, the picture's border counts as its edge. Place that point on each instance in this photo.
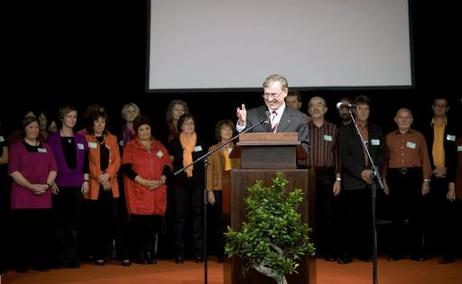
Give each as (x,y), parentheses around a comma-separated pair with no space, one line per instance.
(80,146)
(375,142)
(450,137)
(42,150)
(459,148)
(411,145)
(198,148)
(92,145)
(327,137)
(2,139)
(159,154)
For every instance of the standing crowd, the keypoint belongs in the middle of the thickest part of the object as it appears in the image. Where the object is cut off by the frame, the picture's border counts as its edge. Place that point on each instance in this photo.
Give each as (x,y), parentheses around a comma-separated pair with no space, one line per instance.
(69,195)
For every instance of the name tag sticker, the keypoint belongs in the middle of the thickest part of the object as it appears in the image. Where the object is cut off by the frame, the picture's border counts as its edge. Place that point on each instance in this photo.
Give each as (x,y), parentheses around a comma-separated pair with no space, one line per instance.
(2,139)
(459,148)
(92,145)
(411,145)
(198,148)
(451,137)
(375,142)
(327,137)
(42,150)
(159,154)
(80,146)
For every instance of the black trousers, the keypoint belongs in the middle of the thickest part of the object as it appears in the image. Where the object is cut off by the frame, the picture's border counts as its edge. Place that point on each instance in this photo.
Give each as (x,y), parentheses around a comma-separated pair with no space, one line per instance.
(146,229)
(67,205)
(409,211)
(33,237)
(216,223)
(443,232)
(102,224)
(325,229)
(355,237)
(189,203)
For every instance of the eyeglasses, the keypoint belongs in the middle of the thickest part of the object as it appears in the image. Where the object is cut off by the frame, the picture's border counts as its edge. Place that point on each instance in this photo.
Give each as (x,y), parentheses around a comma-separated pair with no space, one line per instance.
(272,95)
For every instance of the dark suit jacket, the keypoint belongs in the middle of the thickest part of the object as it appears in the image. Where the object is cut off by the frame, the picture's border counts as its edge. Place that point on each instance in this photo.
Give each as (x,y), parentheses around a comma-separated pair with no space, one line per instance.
(450,149)
(291,121)
(352,154)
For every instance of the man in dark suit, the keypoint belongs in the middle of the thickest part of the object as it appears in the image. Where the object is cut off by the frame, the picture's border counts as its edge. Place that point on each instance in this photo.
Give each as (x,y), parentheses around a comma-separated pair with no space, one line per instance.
(441,140)
(357,178)
(282,118)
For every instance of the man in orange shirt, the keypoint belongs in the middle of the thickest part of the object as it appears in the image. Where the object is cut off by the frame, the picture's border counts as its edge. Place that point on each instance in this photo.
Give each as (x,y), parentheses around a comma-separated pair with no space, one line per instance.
(406,178)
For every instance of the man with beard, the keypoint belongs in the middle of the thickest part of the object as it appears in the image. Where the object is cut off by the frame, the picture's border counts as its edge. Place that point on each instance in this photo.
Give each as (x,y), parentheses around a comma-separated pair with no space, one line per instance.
(345,118)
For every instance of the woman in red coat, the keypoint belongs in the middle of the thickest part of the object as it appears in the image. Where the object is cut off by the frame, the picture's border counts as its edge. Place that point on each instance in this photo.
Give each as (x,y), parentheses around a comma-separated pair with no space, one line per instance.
(145,163)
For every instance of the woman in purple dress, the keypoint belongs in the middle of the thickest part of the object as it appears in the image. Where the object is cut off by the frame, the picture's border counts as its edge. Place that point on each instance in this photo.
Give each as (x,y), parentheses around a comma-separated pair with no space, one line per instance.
(33,169)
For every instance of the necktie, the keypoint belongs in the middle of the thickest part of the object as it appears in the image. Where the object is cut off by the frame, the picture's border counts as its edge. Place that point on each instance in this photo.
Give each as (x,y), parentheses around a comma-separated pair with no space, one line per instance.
(273,123)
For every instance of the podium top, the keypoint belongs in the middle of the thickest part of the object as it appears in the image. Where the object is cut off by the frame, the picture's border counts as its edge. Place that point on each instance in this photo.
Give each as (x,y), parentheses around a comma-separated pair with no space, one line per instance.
(268,138)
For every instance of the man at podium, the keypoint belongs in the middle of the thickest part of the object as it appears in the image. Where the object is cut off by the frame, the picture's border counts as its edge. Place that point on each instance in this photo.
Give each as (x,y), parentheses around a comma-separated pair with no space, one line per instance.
(274,116)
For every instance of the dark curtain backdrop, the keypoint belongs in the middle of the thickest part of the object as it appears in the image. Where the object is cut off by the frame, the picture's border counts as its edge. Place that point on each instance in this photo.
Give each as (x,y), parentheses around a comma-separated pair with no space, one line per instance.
(95,52)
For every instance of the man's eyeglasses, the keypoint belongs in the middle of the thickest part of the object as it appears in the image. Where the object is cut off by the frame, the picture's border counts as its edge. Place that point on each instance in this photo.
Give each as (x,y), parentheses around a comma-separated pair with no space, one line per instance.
(272,95)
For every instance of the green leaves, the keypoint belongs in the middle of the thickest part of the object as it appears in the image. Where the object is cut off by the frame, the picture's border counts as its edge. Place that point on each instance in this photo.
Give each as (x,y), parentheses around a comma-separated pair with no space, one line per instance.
(274,235)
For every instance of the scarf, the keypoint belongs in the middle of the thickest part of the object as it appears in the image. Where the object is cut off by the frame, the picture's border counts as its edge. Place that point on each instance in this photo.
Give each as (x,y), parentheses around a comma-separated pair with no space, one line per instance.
(188,142)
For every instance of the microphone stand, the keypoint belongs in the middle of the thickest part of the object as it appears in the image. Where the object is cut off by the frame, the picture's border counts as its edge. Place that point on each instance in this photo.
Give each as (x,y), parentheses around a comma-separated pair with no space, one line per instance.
(376,174)
(205,158)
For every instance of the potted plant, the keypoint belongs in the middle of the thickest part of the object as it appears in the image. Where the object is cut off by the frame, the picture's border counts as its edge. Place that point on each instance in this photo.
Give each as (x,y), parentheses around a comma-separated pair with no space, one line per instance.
(274,238)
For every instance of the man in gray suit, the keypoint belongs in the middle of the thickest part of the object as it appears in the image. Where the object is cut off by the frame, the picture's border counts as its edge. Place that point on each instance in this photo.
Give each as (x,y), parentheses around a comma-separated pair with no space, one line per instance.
(281,117)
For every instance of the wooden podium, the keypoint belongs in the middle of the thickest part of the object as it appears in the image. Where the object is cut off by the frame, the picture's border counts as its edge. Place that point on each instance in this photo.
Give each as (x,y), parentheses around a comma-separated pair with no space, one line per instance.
(261,156)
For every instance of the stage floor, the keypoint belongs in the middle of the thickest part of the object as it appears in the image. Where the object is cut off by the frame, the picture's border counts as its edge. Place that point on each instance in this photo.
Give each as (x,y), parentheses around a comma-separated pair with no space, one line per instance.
(166,271)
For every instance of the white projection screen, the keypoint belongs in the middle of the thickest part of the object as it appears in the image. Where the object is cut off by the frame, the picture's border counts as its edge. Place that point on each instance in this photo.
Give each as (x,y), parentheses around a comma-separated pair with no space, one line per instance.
(228,44)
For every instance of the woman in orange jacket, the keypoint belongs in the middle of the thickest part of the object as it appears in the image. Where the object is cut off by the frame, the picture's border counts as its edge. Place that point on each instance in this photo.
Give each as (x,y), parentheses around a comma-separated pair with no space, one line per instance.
(104,163)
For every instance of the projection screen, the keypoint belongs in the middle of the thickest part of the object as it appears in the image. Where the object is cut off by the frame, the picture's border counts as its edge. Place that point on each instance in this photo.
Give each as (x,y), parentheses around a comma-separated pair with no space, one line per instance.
(228,44)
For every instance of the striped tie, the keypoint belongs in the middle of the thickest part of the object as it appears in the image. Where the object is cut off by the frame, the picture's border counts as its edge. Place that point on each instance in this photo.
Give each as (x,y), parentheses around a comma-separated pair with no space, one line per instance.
(273,118)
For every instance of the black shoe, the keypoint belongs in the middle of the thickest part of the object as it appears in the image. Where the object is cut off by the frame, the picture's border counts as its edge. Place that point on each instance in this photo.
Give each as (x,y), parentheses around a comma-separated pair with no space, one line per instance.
(179,260)
(330,258)
(395,257)
(198,259)
(151,257)
(417,257)
(126,262)
(220,259)
(100,262)
(365,258)
(41,267)
(142,259)
(73,264)
(344,259)
(21,269)
(446,259)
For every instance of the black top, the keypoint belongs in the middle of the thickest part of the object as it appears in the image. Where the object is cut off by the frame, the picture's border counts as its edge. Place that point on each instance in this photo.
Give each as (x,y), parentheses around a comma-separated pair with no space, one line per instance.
(176,150)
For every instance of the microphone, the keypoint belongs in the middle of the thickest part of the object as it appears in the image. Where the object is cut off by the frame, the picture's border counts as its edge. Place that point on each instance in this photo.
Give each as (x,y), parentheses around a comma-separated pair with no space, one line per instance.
(346,105)
(267,117)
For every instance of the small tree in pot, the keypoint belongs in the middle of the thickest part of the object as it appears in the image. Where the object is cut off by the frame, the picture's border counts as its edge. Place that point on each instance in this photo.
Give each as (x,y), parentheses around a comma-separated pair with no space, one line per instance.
(275,236)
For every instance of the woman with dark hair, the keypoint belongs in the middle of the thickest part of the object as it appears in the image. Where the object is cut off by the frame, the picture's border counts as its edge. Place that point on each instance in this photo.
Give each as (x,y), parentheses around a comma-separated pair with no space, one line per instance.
(175,109)
(188,187)
(219,163)
(104,159)
(33,169)
(145,164)
(70,151)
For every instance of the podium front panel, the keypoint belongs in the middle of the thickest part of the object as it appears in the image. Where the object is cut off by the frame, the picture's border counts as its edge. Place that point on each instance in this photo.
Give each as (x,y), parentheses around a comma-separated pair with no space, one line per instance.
(241,180)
